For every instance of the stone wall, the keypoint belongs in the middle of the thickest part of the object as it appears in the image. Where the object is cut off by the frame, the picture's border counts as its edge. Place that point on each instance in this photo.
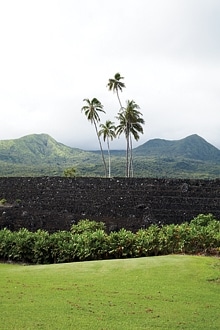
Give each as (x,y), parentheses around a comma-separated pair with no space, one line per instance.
(53,203)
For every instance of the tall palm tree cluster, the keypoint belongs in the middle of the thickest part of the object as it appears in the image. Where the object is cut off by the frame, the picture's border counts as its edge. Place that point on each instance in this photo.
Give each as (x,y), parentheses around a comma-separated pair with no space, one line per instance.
(130,123)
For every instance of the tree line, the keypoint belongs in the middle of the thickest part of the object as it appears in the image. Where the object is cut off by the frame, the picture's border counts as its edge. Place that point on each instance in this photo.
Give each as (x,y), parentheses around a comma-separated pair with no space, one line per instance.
(130,124)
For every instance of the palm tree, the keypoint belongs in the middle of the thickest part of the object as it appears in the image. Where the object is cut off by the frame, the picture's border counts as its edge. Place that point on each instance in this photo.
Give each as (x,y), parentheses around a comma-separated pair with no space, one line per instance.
(91,110)
(130,123)
(123,127)
(116,85)
(135,129)
(108,132)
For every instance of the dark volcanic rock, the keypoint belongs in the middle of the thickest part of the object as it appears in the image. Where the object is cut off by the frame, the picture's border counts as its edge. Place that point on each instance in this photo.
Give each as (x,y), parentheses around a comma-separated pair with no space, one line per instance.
(53,203)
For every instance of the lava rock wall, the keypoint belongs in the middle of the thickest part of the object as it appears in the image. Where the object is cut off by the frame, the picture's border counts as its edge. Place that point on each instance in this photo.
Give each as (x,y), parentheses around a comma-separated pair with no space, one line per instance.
(53,203)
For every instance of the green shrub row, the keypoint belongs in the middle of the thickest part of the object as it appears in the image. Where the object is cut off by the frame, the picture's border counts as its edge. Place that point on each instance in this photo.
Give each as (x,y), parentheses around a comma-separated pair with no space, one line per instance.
(88,240)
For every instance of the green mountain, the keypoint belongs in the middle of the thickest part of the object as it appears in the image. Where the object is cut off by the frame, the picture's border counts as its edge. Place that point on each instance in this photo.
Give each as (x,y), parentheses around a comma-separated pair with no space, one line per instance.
(191,157)
(191,147)
(35,149)
(40,154)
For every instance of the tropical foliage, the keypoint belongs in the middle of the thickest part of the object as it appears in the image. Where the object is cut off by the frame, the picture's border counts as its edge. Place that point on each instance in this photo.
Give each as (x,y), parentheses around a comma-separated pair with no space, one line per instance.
(91,110)
(130,123)
(115,84)
(88,240)
(108,131)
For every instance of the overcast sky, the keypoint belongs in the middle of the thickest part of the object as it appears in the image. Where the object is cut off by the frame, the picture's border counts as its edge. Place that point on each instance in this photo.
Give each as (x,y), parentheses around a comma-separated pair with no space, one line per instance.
(53,54)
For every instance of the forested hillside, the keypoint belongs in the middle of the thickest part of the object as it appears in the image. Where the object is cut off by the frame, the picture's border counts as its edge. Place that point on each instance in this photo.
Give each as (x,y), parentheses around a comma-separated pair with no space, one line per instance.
(40,155)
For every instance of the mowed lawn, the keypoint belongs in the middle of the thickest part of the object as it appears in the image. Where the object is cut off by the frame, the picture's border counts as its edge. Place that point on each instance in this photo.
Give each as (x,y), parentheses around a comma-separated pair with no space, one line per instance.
(165,292)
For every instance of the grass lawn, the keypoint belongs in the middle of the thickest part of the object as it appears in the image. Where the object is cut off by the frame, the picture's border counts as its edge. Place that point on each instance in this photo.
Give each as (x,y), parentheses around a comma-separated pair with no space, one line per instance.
(165,292)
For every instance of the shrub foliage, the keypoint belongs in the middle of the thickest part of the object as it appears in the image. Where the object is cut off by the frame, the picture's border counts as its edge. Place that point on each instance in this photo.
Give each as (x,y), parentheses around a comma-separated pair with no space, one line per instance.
(88,240)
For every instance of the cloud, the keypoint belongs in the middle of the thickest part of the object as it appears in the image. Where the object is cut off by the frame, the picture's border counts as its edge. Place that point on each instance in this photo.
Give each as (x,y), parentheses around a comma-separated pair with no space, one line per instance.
(56,53)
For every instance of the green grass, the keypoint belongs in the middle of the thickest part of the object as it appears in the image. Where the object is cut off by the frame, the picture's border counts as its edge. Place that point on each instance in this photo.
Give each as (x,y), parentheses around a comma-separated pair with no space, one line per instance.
(166,292)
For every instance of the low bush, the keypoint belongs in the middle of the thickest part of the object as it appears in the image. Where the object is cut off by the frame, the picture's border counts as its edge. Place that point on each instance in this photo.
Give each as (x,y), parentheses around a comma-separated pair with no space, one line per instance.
(88,240)
(121,244)
(88,226)
(3,201)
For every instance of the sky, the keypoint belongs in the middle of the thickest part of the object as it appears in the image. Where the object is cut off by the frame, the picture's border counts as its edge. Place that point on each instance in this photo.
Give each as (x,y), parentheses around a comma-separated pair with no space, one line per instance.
(56,53)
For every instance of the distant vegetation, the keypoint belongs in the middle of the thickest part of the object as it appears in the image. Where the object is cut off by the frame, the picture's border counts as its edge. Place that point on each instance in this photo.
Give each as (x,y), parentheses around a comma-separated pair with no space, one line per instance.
(69,172)
(41,155)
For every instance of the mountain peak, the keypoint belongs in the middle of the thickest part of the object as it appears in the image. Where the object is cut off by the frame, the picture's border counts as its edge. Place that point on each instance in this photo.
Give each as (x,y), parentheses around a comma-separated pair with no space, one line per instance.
(191,147)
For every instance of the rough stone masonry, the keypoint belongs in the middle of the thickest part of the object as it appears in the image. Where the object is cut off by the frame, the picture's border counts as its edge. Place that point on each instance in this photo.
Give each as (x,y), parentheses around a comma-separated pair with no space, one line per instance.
(55,203)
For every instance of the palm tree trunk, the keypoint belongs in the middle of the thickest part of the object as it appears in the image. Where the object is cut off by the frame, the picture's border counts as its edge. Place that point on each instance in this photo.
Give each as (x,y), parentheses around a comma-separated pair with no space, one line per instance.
(127,157)
(100,144)
(119,99)
(131,168)
(109,159)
